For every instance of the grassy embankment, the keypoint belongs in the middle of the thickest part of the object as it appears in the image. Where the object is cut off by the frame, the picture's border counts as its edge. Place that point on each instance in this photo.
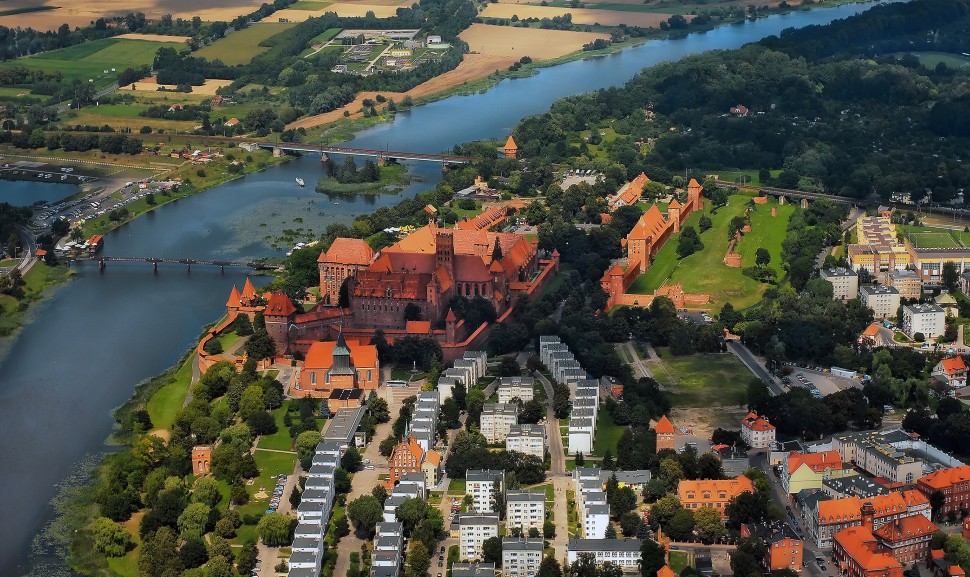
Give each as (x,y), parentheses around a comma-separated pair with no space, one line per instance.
(37,280)
(729,284)
(392,180)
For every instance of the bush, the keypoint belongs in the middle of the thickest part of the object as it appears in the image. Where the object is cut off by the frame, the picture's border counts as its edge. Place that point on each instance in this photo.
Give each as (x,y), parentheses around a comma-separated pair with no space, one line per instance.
(919,337)
(200,173)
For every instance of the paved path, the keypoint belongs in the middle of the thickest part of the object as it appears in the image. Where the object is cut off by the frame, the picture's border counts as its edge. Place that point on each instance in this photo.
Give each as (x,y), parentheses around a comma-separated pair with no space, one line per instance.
(755,366)
(639,367)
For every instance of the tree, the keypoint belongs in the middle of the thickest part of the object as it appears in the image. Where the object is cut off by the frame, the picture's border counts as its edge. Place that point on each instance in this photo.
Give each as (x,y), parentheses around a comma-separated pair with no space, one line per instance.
(110,538)
(341,480)
(747,507)
(664,510)
(276,529)
(622,501)
(351,460)
(379,493)
(951,275)
(158,556)
(306,446)
(260,345)
(450,413)
(365,512)
(937,501)
(247,558)
(681,525)
(193,553)
(251,401)
(419,560)
(630,522)
(704,223)
(411,512)
(532,412)
(387,446)
(610,531)
(652,558)
(608,464)
(549,567)
(509,367)
(689,242)
(709,526)
(762,257)
(192,521)
(379,409)
(580,459)
(492,550)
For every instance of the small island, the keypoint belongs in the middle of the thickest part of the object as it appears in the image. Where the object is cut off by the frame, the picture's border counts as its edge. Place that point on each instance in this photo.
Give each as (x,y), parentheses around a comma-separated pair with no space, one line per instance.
(347,179)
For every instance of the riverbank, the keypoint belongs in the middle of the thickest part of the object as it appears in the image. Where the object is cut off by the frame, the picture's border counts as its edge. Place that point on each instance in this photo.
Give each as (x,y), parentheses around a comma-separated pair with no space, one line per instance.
(39,283)
(393,178)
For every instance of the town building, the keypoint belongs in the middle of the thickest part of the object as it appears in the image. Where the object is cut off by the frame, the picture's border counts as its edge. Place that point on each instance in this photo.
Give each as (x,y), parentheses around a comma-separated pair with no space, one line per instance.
(714,493)
(521,556)
(525,510)
(339,365)
(527,439)
(869,549)
(481,485)
(857,553)
(473,570)
(844,281)
(954,483)
(928,320)
(473,531)
(511,388)
(665,433)
(497,419)
(636,480)
(756,431)
(877,250)
(879,454)
(409,457)
(852,486)
(629,194)
(952,371)
(807,470)
(785,548)
(343,259)
(622,552)
(908,283)
(881,299)
(832,515)
(929,262)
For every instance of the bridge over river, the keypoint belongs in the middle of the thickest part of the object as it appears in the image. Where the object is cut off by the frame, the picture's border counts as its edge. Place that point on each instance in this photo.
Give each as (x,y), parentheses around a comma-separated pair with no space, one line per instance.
(374,153)
(188,262)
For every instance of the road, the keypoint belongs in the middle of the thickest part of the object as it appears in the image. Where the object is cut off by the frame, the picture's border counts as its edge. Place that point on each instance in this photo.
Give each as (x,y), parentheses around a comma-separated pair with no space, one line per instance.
(750,361)
(561,481)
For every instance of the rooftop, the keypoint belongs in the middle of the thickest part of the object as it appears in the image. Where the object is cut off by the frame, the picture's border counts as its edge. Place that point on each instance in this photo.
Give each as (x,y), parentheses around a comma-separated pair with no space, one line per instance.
(604,545)
(343,425)
(837,272)
(923,309)
(880,289)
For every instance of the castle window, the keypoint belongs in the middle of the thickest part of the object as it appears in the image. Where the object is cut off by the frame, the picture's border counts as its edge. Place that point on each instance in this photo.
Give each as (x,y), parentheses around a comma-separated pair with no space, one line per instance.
(313,378)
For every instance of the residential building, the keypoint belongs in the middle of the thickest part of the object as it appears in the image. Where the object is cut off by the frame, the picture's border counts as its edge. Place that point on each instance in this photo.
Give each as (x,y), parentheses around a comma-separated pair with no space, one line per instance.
(952,371)
(785,548)
(954,483)
(879,454)
(343,259)
(473,570)
(629,194)
(929,262)
(928,320)
(596,520)
(907,282)
(831,516)
(807,470)
(522,388)
(857,553)
(408,457)
(665,433)
(756,431)
(872,550)
(527,439)
(497,420)
(907,539)
(852,486)
(636,480)
(622,552)
(481,485)
(521,556)
(844,281)
(881,299)
(473,531)
(714,493)
(580,435)
(525,510)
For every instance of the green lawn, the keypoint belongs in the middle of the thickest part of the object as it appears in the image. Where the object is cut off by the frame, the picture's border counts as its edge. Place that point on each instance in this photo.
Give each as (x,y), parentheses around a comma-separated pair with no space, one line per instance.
(311,5)
(607,434)
(456,486)
(931,59)
(242,46)
(166,402)
(40,276)
(678,561)
(89,60)
(228,340)
(728,284)
(703,380)
(280,440)
(933,237)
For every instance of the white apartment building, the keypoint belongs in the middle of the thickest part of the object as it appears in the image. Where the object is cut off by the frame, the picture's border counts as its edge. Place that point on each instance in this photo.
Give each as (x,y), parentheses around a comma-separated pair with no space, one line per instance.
(882,300)
(497,420)
(521,557)
(527,439)
(844,281)
(473,531)
(622,552)
(756,431)
(581,431)
(522,388)
(480,484)
(596,520)
(525,509)
(930,320)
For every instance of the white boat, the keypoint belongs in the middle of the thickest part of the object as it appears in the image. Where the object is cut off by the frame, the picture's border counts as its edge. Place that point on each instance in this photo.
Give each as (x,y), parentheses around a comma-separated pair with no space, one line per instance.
(300,181)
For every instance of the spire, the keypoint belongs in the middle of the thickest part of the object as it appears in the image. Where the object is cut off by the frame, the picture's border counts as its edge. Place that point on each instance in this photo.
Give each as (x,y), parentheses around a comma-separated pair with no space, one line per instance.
(341,357)
(249,291)
(233,301)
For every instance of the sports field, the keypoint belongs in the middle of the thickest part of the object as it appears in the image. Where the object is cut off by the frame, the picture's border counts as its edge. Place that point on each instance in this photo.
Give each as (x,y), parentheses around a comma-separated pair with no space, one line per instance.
(705,272)
(90,60)
(242,46)
(928,237)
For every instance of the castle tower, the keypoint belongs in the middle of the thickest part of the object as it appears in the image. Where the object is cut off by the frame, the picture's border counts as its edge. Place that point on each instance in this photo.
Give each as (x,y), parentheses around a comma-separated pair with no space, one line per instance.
(694,198)
(673,214)
(451,322)
(201,460)
(248,293)
(444,246)
(233,303)
(511,148)
(665,434)
(278,314)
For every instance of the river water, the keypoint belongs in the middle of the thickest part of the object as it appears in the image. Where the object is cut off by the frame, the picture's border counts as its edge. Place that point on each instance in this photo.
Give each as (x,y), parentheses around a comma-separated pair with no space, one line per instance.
(104,332)
(24,193)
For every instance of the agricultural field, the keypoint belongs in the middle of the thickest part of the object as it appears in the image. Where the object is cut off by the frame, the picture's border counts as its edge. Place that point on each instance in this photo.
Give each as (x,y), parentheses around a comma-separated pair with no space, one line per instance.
(242,46)
(310,5)
(930,237)
(729,284)
(380,10)
(88,61)
(532,42)
(579,15)
(83,12)
(150,84)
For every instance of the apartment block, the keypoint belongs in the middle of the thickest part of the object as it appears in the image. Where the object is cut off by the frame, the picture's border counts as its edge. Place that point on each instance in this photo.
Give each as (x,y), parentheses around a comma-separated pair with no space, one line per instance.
(844,281)
(521,557)
(525,510)
(510,388)
(473,531)
(882,300)
(497,420)
(527,439)
(480,484)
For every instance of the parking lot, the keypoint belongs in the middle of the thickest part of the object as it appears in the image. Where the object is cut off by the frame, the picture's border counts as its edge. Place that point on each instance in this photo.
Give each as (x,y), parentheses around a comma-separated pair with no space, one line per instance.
(819,383)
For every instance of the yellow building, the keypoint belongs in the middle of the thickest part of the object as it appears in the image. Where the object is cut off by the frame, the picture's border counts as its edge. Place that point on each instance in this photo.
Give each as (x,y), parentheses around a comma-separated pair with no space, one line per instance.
(877,249)
(808,470)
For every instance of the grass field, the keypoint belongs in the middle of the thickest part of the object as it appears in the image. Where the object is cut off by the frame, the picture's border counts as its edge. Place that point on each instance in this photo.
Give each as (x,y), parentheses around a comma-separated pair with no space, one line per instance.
(607,434)
(931,237)
(280,440)
(703,380)
(89,60)
(310,5)
(643,19)
(678,561)
(931,59)
(165,404)
(242,46)
(729,284)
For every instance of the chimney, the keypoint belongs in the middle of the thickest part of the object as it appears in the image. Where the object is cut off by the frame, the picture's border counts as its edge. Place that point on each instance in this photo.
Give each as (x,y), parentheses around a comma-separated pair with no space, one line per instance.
(868,514)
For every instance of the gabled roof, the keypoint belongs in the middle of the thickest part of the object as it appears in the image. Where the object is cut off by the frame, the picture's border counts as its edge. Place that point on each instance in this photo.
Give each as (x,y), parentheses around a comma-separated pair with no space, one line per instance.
(320,355)
(279,305)
(651,224)
(233,298)
(953,365)
(756,422)
(665,571)
(947,477)
(664,426)
(860,544)
(674,204)
(348,251)
(249,291)
(818,462)
(906,528)
(433,457)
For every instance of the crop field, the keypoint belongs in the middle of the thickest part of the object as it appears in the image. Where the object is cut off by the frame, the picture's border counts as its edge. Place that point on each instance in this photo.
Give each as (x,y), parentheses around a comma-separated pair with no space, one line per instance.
(310,5)
(579,15)
(90,59)
(348,9)
(83,12)
(150,84)
(532,42)
(242,46)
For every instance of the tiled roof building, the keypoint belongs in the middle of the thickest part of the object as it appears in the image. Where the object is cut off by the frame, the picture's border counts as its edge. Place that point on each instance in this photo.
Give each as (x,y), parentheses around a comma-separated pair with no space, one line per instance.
(343,259)
(712,493)
(954,483)
(338,365)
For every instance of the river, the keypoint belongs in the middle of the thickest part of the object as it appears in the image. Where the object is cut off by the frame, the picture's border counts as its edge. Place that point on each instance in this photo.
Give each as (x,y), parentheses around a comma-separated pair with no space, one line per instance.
(94,339)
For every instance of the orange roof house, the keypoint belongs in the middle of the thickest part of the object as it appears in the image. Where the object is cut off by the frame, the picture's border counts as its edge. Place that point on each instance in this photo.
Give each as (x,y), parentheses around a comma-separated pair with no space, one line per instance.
(406,457)
(665,571)
(337,365)
(432,468)
(858,554)
(807,470)
(907,539)
(629,194)
(665,433)
(714,493)
(785,553)
(954,483)
(232,122)
(756,431)
(952,371)
(833,515)
(511,149)
(343,259)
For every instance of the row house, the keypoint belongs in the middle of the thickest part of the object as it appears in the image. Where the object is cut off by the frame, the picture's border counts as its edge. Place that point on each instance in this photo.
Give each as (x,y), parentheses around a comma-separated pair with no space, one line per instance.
(313,513)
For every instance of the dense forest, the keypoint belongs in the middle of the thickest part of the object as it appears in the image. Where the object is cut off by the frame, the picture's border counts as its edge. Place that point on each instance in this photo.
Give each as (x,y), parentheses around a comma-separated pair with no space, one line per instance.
(818,107)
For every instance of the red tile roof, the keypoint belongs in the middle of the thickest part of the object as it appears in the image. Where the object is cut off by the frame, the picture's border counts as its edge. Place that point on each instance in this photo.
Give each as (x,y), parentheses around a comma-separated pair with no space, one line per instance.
(320,355)
(824,461)
(945,478)
(860,544)
(664,425)
(756,423)
(279,305)
(348,251)
(510,144)
(953,365)
(233,298)
(418,327)
(651,224)
(249,291)
(906,528)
